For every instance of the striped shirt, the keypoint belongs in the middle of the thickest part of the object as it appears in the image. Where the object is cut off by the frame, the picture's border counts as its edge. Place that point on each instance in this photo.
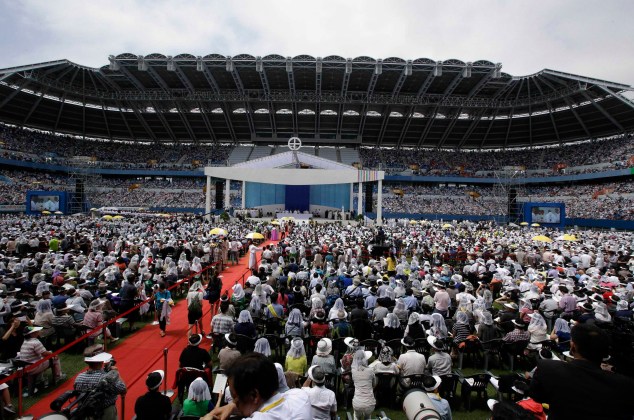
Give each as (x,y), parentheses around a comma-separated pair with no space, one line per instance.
(31,350)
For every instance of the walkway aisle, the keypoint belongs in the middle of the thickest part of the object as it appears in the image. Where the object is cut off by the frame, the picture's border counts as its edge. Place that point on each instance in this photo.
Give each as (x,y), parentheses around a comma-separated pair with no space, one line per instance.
(142,352)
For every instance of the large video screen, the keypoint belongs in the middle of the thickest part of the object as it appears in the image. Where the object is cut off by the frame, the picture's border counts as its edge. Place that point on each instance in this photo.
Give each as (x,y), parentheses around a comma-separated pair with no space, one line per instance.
(44,202)
(541,214)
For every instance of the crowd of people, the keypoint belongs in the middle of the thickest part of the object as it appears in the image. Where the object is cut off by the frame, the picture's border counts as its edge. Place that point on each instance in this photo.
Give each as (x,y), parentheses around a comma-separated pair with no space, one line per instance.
(613,152)
(610,200)
(350,314)
(36,146)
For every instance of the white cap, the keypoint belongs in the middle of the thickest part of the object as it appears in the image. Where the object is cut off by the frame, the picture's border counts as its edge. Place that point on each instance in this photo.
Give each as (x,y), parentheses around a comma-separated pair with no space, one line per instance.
(100,357)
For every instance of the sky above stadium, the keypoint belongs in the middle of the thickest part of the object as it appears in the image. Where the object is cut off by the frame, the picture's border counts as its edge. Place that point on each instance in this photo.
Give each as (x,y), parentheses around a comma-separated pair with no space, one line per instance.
(586,37)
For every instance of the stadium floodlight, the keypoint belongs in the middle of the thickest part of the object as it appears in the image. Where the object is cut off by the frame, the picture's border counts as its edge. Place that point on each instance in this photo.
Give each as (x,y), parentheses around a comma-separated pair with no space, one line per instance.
(378,67)
(289,65)
(497,73)
(229,64)
(466,71)
(318,65)
(438,69)
(259,66)
(170,63)
(200,66)
(408,68)
(142,64)
(114,64)
(349,65)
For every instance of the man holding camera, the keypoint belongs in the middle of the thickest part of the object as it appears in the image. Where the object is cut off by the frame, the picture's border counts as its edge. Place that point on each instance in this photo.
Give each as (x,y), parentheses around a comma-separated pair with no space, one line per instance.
(101,369)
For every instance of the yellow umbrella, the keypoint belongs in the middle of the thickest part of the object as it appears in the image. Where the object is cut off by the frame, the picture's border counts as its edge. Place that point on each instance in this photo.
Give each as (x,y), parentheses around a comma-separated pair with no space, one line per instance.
(46,212)
(218,231)
(118,217)
(542,238)
(107,217)
(535,224)
(447,226)
(413,222)
(275,222)
(93,209)
(568,237)
(255,235)
(524,224)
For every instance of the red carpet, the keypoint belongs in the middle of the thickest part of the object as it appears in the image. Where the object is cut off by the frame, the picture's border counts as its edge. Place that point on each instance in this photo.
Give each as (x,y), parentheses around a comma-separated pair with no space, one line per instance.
(142,352)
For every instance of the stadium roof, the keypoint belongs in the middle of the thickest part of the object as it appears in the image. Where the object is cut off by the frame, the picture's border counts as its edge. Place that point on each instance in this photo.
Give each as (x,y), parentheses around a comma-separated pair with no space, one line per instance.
(333,100)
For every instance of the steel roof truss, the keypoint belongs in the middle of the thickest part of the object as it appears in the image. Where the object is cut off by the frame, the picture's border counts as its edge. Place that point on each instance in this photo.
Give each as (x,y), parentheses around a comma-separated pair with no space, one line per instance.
(163,120)
(146,126)
(386,119)
(618,96)
(130,77)
(603,111)
(267,92)
(472,127)
(208,125)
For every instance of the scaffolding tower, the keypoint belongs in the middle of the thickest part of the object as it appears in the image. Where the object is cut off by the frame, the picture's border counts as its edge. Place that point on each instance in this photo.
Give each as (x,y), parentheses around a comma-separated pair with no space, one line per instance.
(509,186)
(82,181)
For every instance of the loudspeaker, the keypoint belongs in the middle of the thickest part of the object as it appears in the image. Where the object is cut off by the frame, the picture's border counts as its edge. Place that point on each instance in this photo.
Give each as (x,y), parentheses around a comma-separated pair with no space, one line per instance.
(79,190)
(513,210)
(368,197)
(220,199)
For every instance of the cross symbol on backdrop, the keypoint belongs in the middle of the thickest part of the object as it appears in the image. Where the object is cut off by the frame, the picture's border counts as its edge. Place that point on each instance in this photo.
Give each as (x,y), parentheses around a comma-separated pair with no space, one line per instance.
(294,143)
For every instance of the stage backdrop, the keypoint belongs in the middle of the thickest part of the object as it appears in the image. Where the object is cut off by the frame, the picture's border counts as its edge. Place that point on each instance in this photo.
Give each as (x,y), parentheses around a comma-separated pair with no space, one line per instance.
(258,194)
(297,197)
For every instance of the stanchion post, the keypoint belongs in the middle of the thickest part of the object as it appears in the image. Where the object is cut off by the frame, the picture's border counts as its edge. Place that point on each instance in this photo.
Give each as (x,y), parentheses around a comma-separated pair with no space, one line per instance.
(105,340)
(167,392)
(155,322)
(20,379)
(123,406)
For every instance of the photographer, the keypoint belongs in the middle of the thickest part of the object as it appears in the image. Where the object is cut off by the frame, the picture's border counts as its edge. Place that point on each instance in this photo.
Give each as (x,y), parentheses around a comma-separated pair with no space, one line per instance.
(103,375)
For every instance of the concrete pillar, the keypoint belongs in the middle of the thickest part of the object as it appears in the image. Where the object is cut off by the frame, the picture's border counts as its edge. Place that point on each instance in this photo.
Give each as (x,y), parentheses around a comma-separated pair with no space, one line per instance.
(244,194)
(351,207)
(360,201)
(208,200)
(379,204)
(227,193)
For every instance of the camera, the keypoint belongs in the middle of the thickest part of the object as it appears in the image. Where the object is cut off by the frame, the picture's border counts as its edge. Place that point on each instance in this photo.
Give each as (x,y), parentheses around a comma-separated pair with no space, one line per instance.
(109,365)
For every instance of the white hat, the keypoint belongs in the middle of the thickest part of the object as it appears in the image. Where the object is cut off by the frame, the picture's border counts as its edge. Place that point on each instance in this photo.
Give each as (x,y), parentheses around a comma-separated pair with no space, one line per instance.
(98,358)
(491,403)
(437,383)
(324,347)
(317,377)
(349,342)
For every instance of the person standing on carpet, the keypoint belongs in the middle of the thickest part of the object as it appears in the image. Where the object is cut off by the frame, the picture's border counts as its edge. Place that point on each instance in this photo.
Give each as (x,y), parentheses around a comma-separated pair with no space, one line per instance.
(253,251)
(162,297)
(88,381)
(195,308)
(153,405)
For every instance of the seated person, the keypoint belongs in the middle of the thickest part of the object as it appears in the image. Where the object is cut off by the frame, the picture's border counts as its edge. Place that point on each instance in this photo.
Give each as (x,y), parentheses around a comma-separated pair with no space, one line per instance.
(296,358)
(431,385)
(33,351)
(153,404)
(255,387)
(193,356)
(229,353)
(199,401)
(323,358)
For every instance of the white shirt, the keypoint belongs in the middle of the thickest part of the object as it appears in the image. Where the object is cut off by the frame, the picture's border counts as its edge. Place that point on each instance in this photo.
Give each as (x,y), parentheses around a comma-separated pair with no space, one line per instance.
(322,400)
(294,405)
